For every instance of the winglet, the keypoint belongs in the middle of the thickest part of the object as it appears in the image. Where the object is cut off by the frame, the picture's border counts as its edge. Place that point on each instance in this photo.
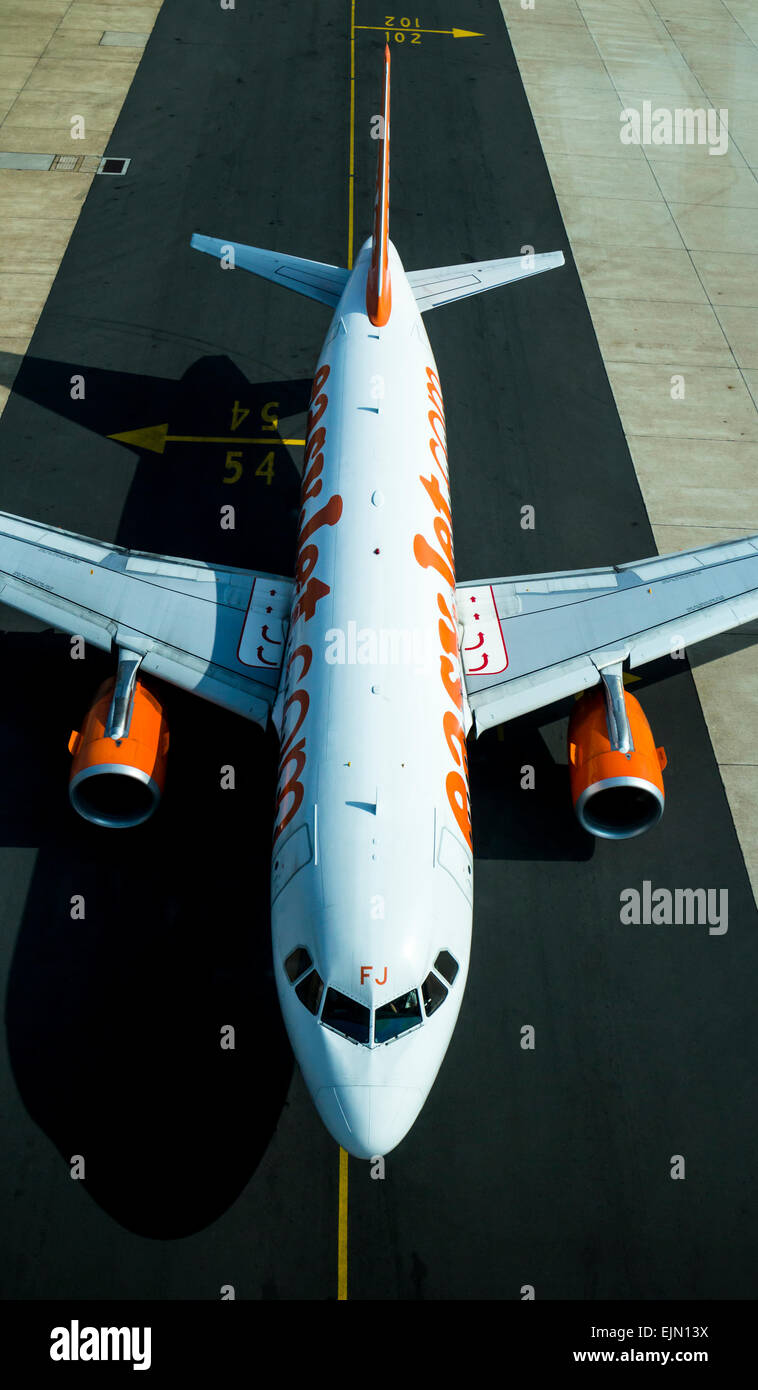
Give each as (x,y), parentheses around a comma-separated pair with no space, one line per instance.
(378,288)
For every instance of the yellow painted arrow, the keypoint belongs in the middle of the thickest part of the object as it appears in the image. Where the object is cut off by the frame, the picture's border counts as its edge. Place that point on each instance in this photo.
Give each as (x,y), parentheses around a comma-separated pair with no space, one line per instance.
(396,29)
(156,437)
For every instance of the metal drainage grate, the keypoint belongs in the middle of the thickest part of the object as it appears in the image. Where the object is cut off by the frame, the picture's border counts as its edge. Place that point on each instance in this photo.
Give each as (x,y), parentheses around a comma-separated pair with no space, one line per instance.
(71,163)
(110,165)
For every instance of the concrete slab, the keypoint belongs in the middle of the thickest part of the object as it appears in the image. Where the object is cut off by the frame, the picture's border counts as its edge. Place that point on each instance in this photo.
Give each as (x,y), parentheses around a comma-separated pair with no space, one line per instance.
(115,38)
(15,160)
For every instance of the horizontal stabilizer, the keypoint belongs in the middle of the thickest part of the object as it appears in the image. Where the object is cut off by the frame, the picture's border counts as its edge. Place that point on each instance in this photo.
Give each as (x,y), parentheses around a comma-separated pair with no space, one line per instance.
(448,282)
(311,278)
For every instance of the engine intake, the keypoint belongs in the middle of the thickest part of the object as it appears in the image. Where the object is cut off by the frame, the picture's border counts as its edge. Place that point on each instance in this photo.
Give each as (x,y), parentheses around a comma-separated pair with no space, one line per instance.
(119,782)
(616,794)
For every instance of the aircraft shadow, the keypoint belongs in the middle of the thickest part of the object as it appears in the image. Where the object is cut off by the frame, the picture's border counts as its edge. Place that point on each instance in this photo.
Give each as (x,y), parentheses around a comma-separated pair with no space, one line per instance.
(520,800)
(115,1017)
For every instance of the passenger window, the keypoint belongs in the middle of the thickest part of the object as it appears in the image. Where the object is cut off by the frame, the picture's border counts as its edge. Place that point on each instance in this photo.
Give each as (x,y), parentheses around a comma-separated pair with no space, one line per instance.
(433,992)
(297,963)
(447,966)
(345,1016)
(397,1017)
(309,991)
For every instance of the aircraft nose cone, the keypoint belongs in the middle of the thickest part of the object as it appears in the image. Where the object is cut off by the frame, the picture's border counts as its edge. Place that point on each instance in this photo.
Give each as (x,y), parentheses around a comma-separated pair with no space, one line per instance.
(369,1120)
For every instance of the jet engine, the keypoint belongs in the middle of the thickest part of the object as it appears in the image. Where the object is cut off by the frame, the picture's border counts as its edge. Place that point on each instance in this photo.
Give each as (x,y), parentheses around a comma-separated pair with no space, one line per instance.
(119,766)
(614,765)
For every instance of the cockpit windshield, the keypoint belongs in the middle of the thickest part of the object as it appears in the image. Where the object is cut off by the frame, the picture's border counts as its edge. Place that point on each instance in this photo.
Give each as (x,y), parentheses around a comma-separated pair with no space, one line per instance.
(310,990)
(353,1020)
(395,1018)
(297,963)
(347,1017)
(434,993)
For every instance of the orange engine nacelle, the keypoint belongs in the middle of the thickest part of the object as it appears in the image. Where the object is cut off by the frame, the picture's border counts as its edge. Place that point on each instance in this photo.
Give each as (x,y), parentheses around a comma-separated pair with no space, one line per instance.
(615,794)
(119,783)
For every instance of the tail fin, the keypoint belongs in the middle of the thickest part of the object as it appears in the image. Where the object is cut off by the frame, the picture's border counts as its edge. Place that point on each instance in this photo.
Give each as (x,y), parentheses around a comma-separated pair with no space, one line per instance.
(378,288)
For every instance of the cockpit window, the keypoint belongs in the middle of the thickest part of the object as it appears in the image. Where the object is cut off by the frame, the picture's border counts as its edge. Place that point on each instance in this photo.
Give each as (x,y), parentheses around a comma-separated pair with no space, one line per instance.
(345,1016)
(395,1018)
(310,990)
(433,993)
(447,966)
(297,963)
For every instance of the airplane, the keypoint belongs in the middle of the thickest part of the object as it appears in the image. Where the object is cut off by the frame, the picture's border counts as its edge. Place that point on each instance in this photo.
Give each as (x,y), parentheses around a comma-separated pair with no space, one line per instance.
(374,664)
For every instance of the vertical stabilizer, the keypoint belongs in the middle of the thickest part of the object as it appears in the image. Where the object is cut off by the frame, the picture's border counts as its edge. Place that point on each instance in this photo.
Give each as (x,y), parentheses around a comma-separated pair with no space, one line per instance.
(378,288)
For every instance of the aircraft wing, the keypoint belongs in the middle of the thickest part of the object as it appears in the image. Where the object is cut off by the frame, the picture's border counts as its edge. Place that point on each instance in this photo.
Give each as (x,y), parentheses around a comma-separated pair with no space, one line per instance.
(217,631)
(530,640)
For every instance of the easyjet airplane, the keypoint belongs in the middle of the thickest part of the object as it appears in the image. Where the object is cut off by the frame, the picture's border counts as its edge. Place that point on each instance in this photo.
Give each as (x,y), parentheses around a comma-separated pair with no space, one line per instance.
(373,664)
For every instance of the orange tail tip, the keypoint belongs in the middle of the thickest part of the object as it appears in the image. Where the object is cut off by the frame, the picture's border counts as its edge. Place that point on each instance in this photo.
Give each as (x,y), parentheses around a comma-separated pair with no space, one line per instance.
(378,288)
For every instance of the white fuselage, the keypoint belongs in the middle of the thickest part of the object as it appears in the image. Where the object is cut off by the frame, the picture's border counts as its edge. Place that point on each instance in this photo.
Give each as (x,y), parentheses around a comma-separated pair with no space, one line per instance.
(372,867)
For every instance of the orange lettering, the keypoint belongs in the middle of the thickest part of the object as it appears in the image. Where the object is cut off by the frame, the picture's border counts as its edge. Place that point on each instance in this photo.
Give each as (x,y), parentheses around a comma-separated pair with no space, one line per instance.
(306,654)
(316,411)
(445,537)
(432,416)
(454,732)
(434,446)
(307,559)
(315,442)
(441,604)
(302,698)
(328,515)
(448,638)
(426,557)
(433,389)
(457,795)
(319,379)
(453,688)
(314,590)
(435,492)
(292,786)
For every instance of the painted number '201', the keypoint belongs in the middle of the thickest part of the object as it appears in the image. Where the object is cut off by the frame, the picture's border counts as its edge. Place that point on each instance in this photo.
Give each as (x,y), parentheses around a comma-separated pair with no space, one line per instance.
(405,23)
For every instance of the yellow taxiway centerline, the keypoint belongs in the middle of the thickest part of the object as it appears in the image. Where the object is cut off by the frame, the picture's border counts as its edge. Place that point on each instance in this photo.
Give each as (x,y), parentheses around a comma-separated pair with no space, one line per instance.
(342,1230)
